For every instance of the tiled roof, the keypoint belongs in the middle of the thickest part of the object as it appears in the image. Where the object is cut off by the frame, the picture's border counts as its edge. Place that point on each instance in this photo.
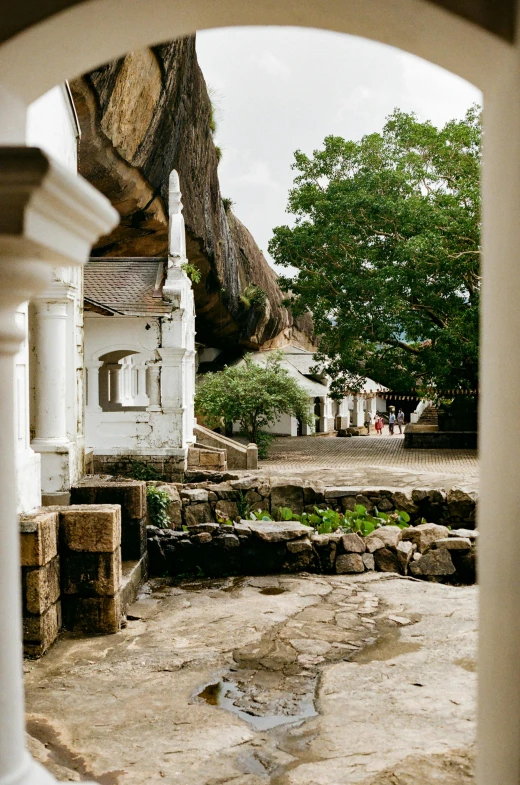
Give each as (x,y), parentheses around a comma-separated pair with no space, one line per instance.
(132,287)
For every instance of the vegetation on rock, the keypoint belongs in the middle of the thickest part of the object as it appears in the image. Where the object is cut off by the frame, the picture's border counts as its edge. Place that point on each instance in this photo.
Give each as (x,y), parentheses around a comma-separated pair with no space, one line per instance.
(356,521)
(386,244)
(158,502)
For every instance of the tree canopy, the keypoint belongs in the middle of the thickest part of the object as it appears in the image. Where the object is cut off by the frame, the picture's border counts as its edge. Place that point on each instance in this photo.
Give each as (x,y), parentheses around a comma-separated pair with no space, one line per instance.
(252,394)
(386,246)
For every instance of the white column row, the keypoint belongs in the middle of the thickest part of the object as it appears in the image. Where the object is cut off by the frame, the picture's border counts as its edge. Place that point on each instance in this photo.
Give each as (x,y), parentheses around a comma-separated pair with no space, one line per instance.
(49,218)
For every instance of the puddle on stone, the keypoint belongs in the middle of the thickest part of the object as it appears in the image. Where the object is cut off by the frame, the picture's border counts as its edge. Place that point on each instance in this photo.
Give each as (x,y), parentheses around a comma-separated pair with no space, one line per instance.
(272,590)
(386,647)
(224,694)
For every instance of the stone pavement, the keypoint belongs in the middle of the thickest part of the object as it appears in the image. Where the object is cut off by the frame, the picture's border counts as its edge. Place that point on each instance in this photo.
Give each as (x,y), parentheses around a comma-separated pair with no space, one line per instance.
(278,680)
(371,461)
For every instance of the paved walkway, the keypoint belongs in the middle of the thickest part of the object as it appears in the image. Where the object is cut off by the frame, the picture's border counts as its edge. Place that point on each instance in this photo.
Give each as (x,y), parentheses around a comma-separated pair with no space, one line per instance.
(375,460)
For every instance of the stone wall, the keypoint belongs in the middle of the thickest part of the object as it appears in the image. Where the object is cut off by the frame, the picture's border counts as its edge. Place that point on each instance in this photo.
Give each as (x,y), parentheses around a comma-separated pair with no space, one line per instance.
(202,500)
(71,572)
(130,495)
(421,437)
(428,550)
(199,543)
(171,467)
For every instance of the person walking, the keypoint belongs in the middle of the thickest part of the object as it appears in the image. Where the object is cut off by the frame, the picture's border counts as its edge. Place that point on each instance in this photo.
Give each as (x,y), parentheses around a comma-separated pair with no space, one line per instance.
(379,425)
(391,423)
(400,420)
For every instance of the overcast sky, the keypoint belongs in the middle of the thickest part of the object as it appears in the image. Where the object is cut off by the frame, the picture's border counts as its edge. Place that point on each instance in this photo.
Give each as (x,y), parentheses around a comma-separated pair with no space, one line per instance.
(277,90)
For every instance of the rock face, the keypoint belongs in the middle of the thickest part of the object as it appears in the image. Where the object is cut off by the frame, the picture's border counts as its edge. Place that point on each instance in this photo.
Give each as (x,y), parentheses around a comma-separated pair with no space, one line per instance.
(141,117)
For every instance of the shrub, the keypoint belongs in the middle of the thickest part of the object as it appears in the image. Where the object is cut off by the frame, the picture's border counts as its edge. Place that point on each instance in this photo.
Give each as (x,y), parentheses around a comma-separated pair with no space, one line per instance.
(158,502)
(191,271)
(143,471)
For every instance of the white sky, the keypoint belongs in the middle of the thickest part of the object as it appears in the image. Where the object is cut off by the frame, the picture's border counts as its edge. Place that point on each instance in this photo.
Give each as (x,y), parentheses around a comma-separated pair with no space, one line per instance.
(277,90)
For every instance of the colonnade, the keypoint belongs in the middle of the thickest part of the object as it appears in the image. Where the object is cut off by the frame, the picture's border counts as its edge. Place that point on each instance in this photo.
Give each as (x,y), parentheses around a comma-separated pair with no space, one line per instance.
(49,218)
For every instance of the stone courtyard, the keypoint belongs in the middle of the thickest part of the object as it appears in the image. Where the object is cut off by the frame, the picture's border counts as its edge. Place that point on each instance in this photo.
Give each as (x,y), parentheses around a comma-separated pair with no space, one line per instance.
(293,680)
(374,460)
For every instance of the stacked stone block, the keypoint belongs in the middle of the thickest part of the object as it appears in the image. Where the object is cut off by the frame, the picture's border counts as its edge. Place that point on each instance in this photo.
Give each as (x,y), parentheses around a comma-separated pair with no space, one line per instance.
(131,496)
(90,548)
(40,581)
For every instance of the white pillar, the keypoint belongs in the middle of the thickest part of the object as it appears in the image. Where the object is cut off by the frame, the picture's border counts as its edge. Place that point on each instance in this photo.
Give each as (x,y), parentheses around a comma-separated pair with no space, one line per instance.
(50,354)
(92,370)
(359,412)
(114,383)
(498,741)
(154,386)
(47,214)
(141,398)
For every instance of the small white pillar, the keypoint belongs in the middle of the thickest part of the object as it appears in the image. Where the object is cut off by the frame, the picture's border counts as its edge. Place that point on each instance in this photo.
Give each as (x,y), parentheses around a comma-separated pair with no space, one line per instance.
(92,372)
(154,386)
(48,216)
(114,383)
(141,398)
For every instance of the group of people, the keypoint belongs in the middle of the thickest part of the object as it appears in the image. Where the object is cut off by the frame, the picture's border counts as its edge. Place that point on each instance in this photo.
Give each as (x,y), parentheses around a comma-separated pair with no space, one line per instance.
(393,420)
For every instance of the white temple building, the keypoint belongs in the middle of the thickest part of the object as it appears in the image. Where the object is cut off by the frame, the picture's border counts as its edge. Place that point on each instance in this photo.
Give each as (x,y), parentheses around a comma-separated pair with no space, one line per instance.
(140,356)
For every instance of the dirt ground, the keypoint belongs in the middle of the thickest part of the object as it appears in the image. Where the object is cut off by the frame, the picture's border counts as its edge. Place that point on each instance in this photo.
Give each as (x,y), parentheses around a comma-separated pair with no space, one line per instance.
(287,680)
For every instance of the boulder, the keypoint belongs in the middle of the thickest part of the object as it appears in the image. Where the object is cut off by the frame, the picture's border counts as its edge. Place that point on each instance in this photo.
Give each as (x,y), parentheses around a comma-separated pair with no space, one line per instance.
(349,563)
(286,493)
(197,528)
(369,561)
(453,543)
(202,538)
(277,531)
(434,563)
(389,535)
(405,551)
(403,501)
(226,510)
(313,493)
(425,534)
(299,546)
(470,534)
(198,513)
(245,484)
(228,540)
(461,504)
(353,543)
(386,561)
(384,505)
(373,543)
(194,495)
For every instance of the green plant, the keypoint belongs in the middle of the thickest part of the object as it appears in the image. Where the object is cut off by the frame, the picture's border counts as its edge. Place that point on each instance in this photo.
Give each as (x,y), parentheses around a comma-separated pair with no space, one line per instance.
(191,271)
(227,202)
(263,440)
(391,218)
(253,295)
(158,502)
(253,393)
(143,471)
(218,152)
(222,519)
(242,505)
(260,515)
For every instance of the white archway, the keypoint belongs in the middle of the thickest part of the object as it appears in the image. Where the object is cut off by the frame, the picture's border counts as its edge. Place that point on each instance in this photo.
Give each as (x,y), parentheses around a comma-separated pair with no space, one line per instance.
(58,48)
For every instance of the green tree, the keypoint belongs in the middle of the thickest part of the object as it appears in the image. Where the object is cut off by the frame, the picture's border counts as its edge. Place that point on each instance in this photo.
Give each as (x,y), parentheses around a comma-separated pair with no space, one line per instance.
(252,394)
(386,246)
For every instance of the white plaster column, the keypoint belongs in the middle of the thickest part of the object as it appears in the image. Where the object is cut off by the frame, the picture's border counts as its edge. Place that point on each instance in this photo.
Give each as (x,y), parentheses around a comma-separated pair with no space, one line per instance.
(154,386)
(92,370)
(372,408)
(498,759)
(114,383)
(141,398)
(46,214)
(344,414)
(358,419)
(50,354)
